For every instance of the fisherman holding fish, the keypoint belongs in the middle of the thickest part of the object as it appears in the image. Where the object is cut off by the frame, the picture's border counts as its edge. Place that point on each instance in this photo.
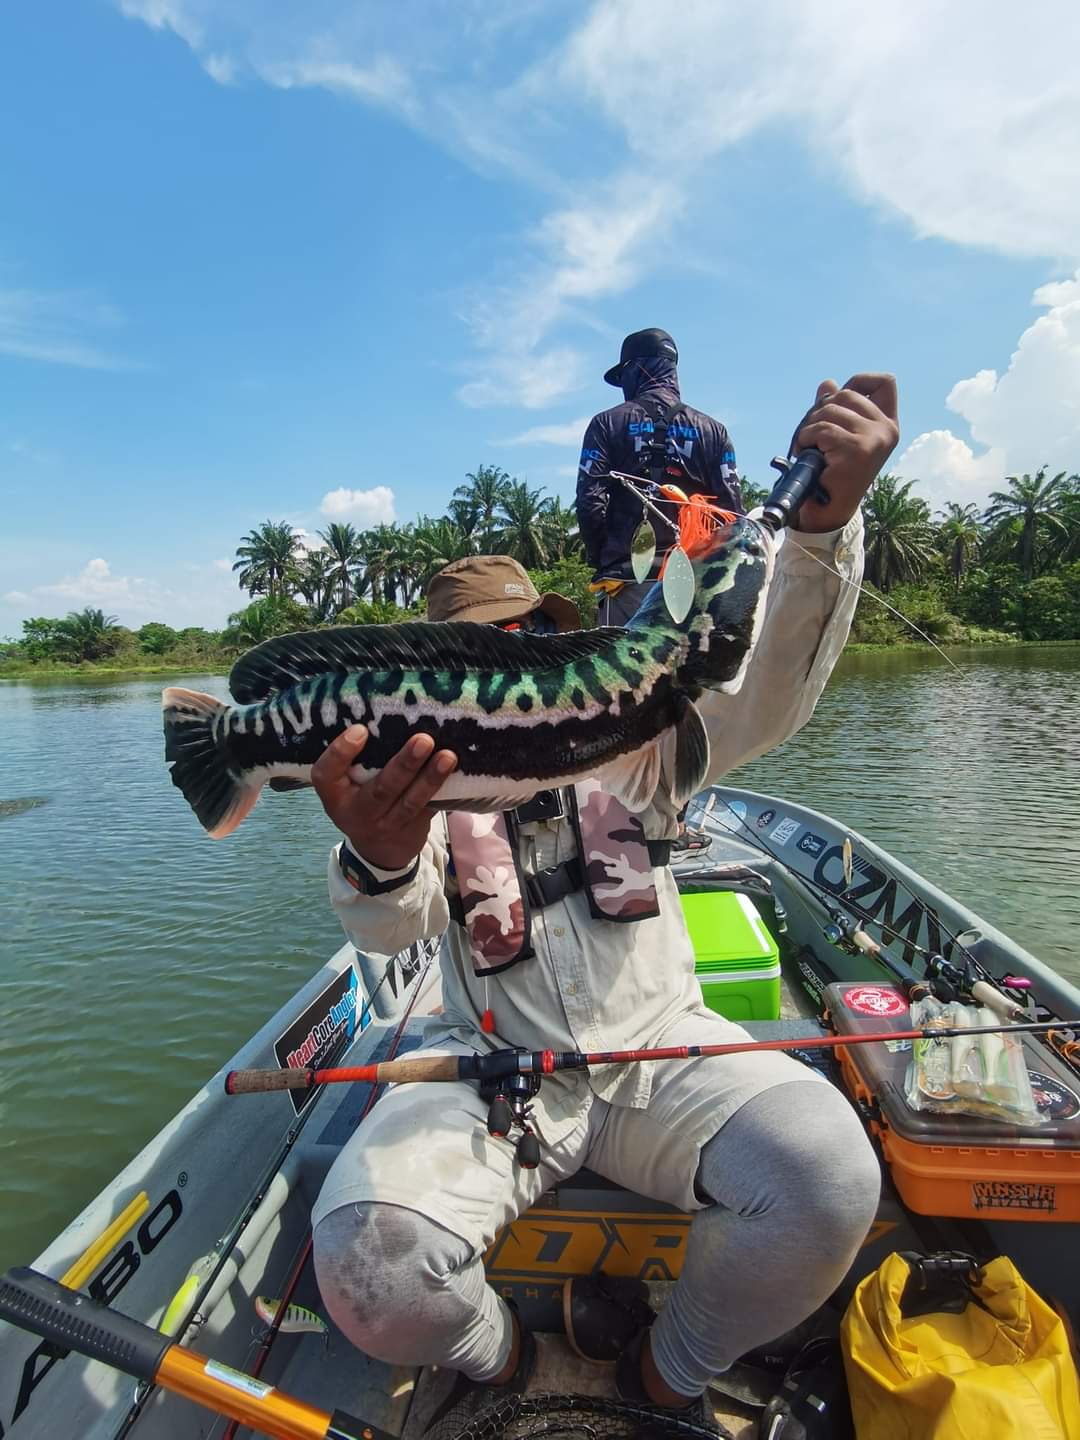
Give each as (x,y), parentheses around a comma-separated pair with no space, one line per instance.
(562,928)
(655,434)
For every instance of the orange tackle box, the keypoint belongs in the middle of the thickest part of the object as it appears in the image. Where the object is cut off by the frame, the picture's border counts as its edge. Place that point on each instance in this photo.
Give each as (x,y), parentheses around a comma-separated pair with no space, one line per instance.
(962,1166)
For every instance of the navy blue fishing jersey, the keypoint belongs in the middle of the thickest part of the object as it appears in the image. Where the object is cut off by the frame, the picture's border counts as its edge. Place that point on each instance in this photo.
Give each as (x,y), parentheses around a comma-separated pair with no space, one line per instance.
(621,439)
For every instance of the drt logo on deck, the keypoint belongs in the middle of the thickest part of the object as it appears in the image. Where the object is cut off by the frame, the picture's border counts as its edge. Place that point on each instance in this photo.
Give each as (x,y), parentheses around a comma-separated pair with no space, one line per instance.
(552,1244)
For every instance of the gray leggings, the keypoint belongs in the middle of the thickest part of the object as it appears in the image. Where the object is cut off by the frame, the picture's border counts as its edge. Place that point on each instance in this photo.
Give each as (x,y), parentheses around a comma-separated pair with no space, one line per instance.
(795,1187)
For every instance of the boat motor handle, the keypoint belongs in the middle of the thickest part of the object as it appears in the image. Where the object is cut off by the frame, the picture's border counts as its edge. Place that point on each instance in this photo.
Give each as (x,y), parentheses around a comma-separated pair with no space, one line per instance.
(73,1321)
(798,481)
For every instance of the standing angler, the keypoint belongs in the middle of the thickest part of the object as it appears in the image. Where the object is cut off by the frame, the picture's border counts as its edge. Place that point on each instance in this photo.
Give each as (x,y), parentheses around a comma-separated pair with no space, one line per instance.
(562,928)
(656,435)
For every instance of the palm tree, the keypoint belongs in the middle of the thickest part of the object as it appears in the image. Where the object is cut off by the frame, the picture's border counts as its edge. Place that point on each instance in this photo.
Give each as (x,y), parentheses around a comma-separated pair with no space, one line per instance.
(271,615)
(959,536)
(463,514)
(265,558)
(899,539)
(343,546)
(380,548)
(561,530)
(752,494)
(1021,516)
(316,577)
(437,543)
(523,532)
(483,493)
(87,634)
(1070,514)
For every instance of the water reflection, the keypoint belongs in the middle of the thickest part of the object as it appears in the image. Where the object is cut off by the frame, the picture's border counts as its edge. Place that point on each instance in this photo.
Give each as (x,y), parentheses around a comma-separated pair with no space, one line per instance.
(134,947)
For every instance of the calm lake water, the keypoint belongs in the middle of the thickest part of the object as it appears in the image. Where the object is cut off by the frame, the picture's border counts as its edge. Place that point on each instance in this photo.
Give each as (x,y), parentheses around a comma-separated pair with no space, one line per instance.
(136,955)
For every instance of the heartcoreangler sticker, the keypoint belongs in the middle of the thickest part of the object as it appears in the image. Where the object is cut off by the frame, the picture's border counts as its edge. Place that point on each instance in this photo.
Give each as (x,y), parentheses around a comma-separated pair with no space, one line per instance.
(322,1029)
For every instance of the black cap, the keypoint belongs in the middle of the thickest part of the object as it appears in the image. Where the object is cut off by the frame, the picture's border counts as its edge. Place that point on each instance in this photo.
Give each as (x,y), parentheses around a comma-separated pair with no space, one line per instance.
(643,345)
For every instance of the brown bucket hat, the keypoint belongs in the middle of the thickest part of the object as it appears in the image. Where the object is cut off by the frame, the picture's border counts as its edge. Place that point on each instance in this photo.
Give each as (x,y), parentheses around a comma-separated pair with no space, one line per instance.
(493,589)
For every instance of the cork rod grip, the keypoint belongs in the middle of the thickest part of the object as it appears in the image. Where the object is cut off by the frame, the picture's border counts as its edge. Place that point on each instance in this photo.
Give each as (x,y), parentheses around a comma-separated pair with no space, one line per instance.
(417,1067)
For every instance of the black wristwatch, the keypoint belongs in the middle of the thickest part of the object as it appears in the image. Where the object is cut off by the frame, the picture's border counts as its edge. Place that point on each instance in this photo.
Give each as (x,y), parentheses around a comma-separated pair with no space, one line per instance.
(358,875)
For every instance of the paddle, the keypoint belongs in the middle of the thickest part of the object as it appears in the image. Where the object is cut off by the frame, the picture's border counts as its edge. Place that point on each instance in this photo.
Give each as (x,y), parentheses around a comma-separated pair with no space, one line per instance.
(73,1321)
(501,1064)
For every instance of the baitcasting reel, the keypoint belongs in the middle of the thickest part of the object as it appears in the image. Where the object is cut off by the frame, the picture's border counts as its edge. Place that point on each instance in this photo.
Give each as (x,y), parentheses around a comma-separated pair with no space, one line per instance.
(508,1106)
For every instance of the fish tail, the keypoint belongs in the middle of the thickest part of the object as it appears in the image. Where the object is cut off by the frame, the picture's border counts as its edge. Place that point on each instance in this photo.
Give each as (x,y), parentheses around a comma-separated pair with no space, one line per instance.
(196,746)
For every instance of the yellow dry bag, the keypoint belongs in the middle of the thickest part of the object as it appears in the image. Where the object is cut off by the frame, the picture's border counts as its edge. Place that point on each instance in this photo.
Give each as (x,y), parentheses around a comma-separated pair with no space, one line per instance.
(937,1348)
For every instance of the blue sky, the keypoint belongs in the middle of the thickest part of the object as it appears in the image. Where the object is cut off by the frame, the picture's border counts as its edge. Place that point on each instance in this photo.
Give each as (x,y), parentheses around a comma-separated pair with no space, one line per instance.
(260,259)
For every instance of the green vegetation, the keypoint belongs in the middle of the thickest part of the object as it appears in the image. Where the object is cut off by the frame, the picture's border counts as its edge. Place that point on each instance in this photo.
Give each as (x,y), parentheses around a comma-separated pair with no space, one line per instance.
(1010,574)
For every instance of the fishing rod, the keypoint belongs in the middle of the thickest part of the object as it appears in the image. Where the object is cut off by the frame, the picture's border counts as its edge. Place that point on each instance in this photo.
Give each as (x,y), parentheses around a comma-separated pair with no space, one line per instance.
(498,1065)
(943,978)
(74,1321)
(191,1313)
(509,1078)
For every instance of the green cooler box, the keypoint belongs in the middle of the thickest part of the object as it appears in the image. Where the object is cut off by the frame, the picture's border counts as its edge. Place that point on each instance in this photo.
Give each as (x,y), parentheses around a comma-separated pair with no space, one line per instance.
(736,959)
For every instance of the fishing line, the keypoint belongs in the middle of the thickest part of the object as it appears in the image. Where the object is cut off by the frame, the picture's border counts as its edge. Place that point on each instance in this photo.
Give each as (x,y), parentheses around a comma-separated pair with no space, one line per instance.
(267,1342)
(824,895)
(228,1243)
(862,590)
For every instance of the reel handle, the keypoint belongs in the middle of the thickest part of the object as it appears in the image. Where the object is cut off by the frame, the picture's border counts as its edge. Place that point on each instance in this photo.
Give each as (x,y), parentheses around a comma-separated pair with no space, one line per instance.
(500,1117)
(528,1151)
(798,481)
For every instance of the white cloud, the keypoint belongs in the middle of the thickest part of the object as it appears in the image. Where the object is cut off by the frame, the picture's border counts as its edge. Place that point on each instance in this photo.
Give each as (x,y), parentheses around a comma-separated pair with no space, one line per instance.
(384,81)
(95,584)
(568,434)
(193,594)
(174,15)
(220,67)
(39,325)
(961,119)
(361,507)
(1027,417)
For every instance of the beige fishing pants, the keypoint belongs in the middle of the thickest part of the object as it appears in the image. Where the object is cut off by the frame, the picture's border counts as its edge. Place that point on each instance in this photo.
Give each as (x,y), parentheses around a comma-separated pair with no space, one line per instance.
(770,1154)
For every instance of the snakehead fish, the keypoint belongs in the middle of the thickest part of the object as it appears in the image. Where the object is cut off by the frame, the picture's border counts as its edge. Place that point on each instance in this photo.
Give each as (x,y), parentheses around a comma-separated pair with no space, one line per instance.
(522,712)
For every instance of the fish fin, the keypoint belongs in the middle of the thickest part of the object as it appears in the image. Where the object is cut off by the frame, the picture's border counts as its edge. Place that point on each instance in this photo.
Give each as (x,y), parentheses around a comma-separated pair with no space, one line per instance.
(485,804)
(458,645)
(200,762)
(691,750)
(633,778)
(282,783)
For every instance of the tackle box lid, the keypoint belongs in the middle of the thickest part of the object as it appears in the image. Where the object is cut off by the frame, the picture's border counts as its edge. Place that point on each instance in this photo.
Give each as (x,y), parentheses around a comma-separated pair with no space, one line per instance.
(867,1008)
(727,932)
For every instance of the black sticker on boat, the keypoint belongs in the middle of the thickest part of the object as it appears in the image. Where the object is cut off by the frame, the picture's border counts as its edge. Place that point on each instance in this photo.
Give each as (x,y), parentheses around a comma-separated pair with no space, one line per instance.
(811,844)
(1013,1195)
(1053,1097)
(765,818)
(323,1029)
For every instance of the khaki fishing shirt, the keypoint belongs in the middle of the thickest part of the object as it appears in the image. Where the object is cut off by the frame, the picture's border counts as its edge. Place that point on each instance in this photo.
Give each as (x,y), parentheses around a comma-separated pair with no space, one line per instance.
(597,984)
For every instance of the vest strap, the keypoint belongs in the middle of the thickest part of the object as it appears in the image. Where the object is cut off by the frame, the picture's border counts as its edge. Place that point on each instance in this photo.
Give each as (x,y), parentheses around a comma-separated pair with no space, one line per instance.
(547,886)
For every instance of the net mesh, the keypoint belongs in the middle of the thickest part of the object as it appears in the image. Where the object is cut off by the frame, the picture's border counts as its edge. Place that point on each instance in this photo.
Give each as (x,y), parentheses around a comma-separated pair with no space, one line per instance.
(581,1417)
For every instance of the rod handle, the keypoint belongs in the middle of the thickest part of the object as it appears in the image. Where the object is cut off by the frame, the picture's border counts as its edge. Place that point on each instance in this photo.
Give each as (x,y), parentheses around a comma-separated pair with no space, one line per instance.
(37,1303)
(797,482)
(253,1082)
(411,1067)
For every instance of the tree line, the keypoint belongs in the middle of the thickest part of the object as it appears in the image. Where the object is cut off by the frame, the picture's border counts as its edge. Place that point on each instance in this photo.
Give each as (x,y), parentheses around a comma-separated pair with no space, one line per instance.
(1008,572)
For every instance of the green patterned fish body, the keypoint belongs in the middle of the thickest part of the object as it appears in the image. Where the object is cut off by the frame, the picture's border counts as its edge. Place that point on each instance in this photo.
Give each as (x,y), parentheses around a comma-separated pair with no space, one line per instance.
(522,712)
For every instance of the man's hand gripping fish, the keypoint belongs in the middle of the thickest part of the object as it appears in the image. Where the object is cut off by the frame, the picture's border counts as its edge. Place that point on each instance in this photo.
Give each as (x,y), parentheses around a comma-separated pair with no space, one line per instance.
(522,712)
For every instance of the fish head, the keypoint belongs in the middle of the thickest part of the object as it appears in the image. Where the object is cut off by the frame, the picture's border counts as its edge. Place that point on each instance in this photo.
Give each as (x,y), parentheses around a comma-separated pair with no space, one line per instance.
(733,568)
